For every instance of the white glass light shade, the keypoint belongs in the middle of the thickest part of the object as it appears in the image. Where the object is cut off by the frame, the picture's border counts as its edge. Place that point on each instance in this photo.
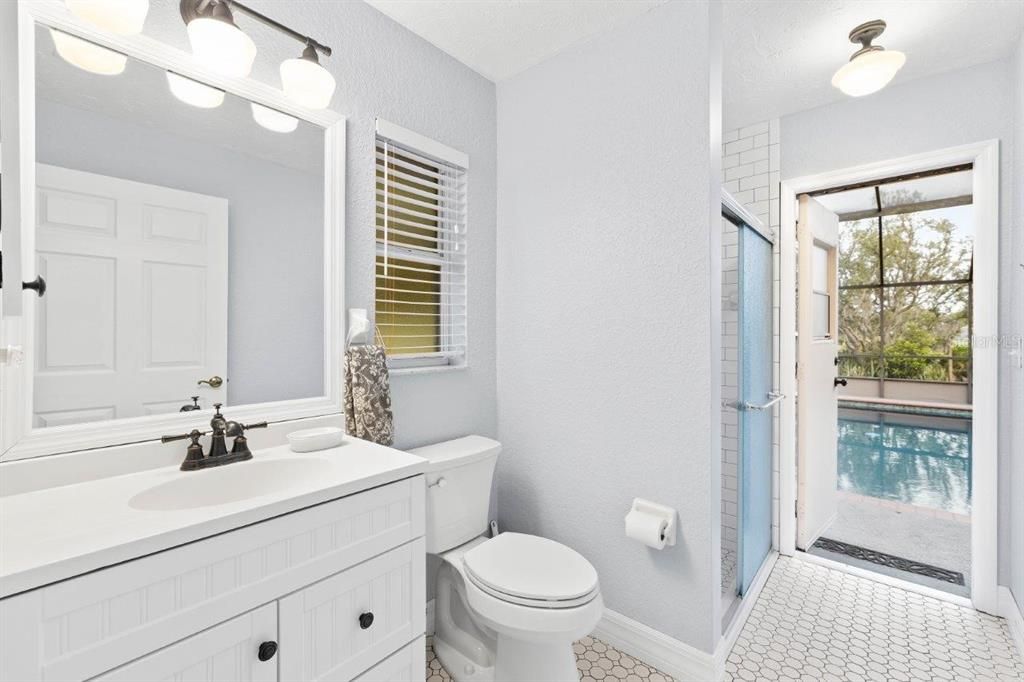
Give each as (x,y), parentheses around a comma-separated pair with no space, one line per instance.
(124,17)
(869,72)
(307,83)
(221,46)
(273,120)
(88,56)
(193,92)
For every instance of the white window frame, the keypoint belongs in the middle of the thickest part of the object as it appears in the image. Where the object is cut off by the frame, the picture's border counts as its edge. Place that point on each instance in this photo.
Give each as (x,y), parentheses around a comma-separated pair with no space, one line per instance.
(392,132)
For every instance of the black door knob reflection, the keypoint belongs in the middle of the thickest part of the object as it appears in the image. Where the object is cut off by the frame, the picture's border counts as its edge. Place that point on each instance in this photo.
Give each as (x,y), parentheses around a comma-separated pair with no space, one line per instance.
(366,620)
(838,382)
(267,650)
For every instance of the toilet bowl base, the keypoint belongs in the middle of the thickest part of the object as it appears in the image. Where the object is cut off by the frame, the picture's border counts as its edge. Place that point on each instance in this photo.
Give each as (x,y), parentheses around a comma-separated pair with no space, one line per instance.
(518,660)
(460,667)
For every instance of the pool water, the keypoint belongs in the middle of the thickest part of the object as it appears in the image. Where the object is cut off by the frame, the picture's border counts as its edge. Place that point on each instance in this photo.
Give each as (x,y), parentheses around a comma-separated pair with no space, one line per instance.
(924,461)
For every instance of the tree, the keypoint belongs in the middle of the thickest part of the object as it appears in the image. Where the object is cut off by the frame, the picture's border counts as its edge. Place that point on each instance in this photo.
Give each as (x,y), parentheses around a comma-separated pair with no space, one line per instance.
(911,322)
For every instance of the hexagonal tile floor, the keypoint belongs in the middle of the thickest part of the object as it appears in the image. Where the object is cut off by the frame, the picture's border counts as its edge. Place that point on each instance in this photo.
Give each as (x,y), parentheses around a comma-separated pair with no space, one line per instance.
(816,623)
(594,659)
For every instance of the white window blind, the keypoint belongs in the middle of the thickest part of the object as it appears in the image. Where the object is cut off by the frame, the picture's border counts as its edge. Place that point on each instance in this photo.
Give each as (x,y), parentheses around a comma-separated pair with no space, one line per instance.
(421,297)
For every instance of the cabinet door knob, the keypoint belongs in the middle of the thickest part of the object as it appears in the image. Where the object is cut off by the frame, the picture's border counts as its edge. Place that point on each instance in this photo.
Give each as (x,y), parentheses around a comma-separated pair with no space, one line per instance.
(366,620)
(267,650)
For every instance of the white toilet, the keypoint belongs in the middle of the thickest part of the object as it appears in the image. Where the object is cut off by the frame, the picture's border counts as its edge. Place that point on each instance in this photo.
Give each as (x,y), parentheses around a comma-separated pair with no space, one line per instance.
(506,608)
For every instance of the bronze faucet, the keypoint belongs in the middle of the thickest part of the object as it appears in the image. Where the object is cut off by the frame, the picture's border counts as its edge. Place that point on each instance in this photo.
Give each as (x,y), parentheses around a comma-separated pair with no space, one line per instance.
(218,455)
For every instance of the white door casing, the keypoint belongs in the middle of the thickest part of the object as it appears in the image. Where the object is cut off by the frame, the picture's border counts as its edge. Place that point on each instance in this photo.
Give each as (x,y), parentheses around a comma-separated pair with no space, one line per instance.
(817,353)
(135,312)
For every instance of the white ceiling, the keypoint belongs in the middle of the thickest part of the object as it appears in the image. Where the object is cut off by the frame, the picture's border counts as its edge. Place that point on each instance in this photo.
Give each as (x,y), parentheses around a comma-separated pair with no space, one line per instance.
(500,38)
(780,55)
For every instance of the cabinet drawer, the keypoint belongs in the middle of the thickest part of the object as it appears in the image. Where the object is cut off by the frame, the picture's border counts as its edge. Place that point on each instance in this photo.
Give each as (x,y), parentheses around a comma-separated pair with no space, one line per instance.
(326,640)
(228,651)
(79,628)
(405,665)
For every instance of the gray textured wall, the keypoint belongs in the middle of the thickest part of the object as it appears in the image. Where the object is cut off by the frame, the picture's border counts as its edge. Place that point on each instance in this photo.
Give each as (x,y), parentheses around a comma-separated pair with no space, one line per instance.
(275,234)
(605,311)
(958,107)
(1016,282)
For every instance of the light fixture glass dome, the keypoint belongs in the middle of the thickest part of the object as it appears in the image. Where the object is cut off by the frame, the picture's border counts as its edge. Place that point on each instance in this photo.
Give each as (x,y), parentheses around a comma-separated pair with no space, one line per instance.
(272,119)
(307,83)
(124,17)
(193,92)
(88,56)
(221,46)
(868,72)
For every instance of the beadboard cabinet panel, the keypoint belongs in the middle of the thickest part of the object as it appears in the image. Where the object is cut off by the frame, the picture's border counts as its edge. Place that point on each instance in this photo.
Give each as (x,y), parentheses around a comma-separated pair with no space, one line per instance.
(328,640)
(228,651)
(85,626)
(405,665)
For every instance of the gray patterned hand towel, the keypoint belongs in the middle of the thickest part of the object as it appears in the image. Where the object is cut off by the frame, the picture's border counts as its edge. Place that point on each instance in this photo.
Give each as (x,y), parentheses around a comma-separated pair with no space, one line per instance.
(368,395)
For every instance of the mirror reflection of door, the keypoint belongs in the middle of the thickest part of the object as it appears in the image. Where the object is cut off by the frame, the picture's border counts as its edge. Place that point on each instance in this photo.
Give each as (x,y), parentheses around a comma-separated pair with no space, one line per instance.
(817,353)
(136,307)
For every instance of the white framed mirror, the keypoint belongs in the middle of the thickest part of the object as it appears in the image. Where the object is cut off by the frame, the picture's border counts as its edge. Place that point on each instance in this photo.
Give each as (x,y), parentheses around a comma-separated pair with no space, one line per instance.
(189,228)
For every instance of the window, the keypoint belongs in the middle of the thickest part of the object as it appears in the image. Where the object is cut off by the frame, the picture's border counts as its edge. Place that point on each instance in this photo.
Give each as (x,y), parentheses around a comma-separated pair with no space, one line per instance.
(905,276)
(421,249)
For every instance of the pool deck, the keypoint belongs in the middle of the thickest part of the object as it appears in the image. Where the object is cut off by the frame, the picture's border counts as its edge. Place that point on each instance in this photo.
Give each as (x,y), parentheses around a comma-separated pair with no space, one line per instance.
(922,534)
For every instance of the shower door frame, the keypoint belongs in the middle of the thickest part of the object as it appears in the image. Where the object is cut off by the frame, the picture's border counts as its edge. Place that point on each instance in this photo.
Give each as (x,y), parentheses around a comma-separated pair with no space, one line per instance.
(985,390)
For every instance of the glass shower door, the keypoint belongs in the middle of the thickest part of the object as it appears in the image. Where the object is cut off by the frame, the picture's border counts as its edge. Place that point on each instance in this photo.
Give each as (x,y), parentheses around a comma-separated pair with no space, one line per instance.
(755,402)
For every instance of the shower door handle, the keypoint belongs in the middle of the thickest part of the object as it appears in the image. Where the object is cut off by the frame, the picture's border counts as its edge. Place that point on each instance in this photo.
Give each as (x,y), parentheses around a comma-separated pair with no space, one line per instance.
(773,398)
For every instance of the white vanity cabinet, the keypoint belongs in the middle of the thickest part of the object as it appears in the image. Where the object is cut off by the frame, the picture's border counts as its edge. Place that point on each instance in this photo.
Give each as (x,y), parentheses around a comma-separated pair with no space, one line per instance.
(305,580)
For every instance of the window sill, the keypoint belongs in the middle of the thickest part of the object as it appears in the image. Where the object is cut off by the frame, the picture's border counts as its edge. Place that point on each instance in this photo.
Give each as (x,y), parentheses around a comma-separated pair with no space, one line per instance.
(430,369)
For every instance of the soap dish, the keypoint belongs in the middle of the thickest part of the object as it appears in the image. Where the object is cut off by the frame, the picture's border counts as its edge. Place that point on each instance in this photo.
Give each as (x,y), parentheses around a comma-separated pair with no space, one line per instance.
(310,440)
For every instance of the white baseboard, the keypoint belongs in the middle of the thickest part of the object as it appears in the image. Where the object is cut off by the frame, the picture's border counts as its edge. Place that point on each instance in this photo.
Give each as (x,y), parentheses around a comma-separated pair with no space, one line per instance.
(667,654)
(430,618)
(1011,611)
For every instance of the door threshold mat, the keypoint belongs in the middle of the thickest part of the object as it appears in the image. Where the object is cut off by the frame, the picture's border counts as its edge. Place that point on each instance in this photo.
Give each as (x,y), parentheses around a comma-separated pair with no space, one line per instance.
(890,561)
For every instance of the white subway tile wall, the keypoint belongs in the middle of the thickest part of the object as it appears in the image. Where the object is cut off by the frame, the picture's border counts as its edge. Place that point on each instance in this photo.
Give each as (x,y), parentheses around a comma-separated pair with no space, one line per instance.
(750,163)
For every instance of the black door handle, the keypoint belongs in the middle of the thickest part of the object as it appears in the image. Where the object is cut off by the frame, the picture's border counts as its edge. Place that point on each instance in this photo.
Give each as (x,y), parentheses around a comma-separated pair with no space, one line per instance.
(366,620)
(38,285)
(838,382)
(267,651)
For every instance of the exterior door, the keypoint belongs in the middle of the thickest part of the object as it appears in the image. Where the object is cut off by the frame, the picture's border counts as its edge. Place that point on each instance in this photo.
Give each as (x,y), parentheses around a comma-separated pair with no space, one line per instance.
(817,371)
(755,402)
(229,651)
(135,312)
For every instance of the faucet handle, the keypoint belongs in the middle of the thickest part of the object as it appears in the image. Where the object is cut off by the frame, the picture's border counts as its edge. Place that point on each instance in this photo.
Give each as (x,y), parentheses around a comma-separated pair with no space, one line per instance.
(194,434)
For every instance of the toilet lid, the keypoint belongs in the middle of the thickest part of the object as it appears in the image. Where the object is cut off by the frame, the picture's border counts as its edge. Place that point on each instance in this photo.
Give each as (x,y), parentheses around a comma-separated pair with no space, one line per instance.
(530,567)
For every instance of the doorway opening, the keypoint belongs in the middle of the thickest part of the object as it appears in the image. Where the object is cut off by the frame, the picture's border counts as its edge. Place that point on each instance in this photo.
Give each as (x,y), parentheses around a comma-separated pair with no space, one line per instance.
(904,280)
(888,452)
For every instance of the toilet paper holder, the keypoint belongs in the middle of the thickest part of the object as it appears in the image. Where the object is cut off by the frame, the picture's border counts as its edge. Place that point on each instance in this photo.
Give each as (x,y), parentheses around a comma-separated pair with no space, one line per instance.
(669,515)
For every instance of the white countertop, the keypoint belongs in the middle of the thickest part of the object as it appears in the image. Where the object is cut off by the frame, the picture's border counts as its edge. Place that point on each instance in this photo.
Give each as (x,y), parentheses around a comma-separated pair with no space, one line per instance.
(57,533)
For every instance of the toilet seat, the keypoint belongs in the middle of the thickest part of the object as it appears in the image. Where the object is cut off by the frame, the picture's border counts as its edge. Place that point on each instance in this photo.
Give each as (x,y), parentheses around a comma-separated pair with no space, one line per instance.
(531,571)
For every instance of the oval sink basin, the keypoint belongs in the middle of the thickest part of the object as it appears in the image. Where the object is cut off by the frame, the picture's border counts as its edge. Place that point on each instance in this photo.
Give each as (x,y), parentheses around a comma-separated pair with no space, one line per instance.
(229,483)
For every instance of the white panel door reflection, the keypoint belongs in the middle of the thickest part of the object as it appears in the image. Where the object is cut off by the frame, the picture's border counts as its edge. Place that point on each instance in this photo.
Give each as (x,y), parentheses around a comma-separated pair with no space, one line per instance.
(135,312)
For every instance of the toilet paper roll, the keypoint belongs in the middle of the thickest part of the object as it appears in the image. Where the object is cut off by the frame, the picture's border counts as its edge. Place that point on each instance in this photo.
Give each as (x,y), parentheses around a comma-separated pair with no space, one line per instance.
(647,528)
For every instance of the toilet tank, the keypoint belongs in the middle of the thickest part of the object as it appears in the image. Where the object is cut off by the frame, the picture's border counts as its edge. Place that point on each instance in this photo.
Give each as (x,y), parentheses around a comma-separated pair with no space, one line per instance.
(459,477)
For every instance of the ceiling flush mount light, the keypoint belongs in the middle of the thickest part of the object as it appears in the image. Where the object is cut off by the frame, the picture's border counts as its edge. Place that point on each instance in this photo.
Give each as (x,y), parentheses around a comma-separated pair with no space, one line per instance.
(193,92)
(88,56)
(306,82)
(872,66)
(124,17)
(271,119)
(216,40)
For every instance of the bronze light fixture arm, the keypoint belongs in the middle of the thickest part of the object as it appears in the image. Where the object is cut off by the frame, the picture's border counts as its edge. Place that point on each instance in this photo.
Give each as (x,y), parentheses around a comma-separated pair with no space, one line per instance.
(193,8)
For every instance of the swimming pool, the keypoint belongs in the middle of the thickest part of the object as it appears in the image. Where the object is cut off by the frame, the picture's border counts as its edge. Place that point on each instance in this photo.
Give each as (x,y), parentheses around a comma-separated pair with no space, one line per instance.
(915,459)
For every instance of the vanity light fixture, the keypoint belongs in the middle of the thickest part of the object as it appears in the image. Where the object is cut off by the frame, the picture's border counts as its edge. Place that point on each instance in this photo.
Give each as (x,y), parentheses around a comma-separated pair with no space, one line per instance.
(193,92)
(306,82)
(88,56)
(217,41)
(271,119)
(872,66)
(123,17)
